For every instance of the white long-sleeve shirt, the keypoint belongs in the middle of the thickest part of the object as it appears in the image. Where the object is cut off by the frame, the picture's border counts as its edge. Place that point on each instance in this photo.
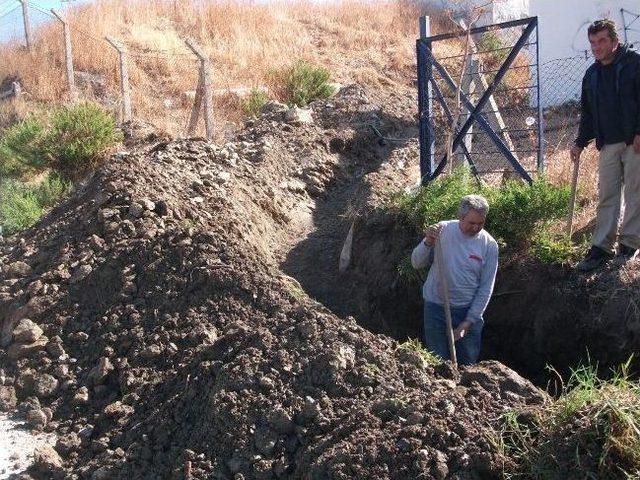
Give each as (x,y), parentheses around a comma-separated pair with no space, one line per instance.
(471,266)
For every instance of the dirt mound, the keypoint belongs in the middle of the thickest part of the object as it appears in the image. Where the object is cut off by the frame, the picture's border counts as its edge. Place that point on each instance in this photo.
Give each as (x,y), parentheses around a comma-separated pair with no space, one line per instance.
(147,322)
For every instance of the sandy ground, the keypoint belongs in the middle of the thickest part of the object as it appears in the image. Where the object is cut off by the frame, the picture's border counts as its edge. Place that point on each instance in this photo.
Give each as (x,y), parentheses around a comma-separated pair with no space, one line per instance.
(17,445)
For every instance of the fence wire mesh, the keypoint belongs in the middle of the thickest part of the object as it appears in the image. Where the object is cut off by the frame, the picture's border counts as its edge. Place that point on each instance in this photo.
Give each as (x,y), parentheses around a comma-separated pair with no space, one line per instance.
(512,110)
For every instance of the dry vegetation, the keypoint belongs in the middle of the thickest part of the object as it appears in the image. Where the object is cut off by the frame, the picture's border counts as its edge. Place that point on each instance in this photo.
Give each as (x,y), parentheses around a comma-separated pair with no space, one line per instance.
(362,42)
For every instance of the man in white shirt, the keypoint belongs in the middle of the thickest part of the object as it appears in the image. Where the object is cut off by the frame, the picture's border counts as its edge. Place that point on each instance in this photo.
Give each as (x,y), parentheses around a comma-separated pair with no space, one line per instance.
(471,262)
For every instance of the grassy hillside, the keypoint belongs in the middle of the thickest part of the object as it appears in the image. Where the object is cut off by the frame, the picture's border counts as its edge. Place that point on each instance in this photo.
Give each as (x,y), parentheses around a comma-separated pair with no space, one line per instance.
(365,42)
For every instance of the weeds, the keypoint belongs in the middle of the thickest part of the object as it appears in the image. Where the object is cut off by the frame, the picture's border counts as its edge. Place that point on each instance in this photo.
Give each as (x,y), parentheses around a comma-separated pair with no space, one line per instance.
(410,275)
(303,83)
(252,105)
(591,431)
(71,141)
(415,345)
(22,205)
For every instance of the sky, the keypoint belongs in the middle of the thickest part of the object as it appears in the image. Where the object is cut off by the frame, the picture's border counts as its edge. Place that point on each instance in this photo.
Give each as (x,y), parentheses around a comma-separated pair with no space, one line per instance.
(11,25)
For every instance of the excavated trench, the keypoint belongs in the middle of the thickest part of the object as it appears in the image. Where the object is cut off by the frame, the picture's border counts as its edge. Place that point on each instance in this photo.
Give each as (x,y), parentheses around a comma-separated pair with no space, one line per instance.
(539,317)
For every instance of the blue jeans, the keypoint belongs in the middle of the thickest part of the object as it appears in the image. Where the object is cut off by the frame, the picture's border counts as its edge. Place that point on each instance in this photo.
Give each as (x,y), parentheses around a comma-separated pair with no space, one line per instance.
(435,333)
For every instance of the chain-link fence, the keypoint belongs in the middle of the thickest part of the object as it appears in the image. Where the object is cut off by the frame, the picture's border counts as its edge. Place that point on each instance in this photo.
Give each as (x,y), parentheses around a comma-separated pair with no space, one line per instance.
(488,81)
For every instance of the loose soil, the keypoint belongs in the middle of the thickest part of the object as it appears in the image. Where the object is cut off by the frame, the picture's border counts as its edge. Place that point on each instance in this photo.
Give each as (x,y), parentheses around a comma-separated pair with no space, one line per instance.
(194,323)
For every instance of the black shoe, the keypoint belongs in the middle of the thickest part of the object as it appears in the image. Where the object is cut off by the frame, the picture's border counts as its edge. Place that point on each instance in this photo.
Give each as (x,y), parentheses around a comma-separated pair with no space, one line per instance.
(595,257)
(624,255)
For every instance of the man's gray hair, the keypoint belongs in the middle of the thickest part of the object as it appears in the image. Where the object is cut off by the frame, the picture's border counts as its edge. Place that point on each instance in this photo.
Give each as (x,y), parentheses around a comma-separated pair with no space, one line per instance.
(473,202)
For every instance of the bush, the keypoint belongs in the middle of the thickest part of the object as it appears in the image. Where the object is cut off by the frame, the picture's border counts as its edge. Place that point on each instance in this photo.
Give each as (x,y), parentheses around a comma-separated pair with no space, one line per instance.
(21,149)
(517,211)
(22,205)
(19,207)
(555,249)
(303,83)
(252,105)
(78,136)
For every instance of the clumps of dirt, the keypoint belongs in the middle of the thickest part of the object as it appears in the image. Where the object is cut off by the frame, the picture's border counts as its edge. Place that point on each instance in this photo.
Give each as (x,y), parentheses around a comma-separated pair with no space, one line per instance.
(147,323)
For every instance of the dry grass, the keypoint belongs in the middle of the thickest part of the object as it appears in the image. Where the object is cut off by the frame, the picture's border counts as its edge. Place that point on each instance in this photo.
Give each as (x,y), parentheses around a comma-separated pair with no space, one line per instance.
(358,41)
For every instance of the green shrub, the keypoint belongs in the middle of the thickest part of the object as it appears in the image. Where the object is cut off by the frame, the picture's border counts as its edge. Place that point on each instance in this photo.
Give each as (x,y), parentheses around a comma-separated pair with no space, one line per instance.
(516,211)
(303,83)
(78,136)
(22,205)
(51,190)
(19,207)
(252,105)
(21,148)
(555,249)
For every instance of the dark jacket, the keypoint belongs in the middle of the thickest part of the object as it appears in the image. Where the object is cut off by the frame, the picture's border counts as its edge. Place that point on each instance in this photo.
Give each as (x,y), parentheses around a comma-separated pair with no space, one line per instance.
(627,73)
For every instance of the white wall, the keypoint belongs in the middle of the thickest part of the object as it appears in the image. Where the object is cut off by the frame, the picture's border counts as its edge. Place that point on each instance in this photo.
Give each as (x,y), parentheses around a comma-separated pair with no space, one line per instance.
(563,23)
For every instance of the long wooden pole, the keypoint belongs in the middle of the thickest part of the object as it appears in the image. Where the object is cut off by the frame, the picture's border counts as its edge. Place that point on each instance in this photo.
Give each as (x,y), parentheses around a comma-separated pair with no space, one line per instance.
(442,273)
(572,201)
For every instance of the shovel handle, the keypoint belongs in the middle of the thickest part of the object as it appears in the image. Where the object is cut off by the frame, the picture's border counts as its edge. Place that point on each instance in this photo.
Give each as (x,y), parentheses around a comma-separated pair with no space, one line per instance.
(572,200)
(442,273)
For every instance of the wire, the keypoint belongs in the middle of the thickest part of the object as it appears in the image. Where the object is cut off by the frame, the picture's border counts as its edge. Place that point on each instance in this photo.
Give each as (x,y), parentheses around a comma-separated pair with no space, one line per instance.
(11,10)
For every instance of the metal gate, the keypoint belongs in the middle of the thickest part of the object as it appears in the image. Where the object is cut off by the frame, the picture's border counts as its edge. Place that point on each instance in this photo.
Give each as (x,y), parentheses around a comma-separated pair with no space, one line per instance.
(485,89)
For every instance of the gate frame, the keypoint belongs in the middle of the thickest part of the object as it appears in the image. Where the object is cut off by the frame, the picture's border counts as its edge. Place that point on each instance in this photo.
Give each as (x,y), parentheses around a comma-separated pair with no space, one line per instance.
(426,86)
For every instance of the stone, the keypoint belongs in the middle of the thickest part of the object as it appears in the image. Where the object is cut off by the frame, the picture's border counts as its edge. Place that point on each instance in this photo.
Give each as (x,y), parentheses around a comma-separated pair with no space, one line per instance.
(106,214)
(81,273)
(102,473)
(36,419)
(26,331)
(81,397)
(274,107)
(68,443)
(223,177)
(148,204)
(8,399)
(98,373)
(41,385)
(136,210)
(20,350)
(494,376)
(54,347)
(299,116)
(48,463)
(96,243)
(18,269)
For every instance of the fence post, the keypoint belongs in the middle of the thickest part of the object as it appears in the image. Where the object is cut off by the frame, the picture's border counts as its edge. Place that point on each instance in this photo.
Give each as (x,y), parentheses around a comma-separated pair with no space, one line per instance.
(68,56)
(197,107)
(425,103)
(27,23)
(203,93)
(124,77)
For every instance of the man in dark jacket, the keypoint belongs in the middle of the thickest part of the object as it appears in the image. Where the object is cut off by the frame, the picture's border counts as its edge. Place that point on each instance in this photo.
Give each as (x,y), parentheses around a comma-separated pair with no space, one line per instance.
(611,115)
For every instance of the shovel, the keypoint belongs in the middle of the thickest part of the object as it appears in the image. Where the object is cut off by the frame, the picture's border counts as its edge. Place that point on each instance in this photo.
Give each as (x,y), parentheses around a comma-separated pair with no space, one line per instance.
(572,201)
(442,273)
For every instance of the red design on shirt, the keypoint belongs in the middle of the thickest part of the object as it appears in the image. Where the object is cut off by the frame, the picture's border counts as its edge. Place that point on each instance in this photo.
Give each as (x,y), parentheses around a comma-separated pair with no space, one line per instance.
(475,257)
